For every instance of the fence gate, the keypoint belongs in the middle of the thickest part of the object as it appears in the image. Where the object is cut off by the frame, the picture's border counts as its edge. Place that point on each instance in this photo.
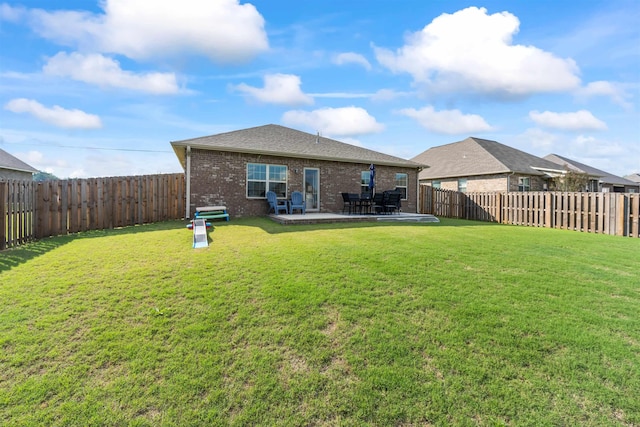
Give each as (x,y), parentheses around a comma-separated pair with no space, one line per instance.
(17,212)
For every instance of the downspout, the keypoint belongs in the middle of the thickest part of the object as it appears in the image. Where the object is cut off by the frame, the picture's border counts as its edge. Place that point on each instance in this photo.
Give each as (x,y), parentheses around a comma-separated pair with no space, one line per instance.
(187,209)
(418,201)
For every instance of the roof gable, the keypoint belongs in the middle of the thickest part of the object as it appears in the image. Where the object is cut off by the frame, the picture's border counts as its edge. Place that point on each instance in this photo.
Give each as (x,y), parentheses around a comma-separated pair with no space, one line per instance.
(605,177)
(476,156)
(635,177)
(278,140)
(7,161)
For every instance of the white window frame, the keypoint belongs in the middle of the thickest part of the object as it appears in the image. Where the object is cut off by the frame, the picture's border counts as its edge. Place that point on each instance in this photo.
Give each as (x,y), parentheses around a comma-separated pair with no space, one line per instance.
(522,186)
(405,185)
(462,185)
(436,184)
(365,177)
(268,180)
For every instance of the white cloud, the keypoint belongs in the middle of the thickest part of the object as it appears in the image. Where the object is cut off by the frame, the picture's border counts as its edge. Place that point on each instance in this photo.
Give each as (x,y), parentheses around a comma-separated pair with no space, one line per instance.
(448,122)
(577,121)
(278,89)
(473,51)
(103,71)
(57,116)
(603,88)
(388,95)
(49,164)
(351,58)
(223,30)
(539,139)
(609,155)
(11,14)
(341,95)
(348,121)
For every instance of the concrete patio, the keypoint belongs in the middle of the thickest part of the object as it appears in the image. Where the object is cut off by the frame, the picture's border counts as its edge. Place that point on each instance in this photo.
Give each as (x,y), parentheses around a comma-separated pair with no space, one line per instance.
(320,218)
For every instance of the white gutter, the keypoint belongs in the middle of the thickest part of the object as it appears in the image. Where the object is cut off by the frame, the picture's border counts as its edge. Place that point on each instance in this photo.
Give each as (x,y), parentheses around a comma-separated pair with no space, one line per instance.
(187,210)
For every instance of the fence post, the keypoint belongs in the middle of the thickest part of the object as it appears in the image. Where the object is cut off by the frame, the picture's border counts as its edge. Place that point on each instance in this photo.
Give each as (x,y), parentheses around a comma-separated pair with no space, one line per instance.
(621,220)
(634,212)
(4,205)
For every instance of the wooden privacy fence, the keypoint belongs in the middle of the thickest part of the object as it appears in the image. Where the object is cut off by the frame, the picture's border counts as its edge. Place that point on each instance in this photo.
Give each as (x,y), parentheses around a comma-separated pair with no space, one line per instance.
(31,210)
(17,207)
(606,213)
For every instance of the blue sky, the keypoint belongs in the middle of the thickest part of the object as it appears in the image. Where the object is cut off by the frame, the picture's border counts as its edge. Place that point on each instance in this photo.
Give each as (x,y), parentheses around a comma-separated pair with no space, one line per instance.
(100,88)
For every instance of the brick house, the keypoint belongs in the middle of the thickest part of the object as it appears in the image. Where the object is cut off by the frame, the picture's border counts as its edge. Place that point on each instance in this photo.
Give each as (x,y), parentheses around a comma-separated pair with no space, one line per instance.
(599,180)
(235,169)
(13,168)
(479,165)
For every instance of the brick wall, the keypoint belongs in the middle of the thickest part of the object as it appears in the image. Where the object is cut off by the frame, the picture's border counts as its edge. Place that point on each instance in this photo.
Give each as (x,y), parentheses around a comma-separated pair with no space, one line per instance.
(486,183)
(219,178)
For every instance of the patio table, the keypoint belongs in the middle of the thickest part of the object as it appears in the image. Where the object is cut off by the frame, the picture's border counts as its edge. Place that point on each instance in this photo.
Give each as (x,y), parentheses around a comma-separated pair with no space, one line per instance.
(364,205)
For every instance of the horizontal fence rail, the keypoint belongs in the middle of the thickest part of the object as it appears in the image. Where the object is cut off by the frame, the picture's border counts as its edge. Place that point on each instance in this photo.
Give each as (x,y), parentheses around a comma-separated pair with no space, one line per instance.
(605,213)
(32,210)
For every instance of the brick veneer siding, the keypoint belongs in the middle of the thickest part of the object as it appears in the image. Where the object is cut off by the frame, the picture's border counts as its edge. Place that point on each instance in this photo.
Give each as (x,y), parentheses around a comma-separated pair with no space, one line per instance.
(220,178)
(487,183)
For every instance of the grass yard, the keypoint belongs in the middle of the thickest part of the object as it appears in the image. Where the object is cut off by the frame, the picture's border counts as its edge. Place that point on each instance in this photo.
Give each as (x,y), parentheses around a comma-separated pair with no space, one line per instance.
(457,323)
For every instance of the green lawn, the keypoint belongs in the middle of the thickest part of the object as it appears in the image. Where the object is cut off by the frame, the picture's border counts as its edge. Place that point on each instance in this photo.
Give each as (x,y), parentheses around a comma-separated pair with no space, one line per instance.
(456,323)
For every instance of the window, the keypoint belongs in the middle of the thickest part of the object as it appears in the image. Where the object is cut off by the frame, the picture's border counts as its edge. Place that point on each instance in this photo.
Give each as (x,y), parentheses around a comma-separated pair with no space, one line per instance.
(462,185)
(436,184)
(524,184)
(262,178)
(365,178)
(402,180)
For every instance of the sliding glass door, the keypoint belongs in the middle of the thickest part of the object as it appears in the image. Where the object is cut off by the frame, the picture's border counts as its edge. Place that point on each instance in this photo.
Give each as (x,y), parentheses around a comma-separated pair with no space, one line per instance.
(312,189)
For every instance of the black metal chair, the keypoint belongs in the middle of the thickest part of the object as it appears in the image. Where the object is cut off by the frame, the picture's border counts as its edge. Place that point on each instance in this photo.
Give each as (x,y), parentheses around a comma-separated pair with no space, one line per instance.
(350,203)
(377,203)
(392,202)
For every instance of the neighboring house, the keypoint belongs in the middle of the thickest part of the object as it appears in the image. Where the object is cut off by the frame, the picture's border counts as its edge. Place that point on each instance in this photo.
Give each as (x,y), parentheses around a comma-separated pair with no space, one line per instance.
(236,169)
(13,168)
(635,177)
(479,165)
(599,180)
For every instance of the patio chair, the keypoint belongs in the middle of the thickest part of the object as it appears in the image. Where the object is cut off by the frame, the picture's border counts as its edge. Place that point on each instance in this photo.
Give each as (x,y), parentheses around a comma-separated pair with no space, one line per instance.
(297,202)
(275,204)
(392,202)
(349,203)
(377,203)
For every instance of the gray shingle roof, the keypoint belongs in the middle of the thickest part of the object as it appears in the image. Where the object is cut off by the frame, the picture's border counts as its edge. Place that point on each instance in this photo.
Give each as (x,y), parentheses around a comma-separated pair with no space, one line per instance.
(7,161)
(476,156)
(278,140)
(635,177)
(605,177)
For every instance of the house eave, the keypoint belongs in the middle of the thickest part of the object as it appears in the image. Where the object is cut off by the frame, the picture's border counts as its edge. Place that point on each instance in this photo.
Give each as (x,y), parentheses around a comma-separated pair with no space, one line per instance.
(31,171)
(183,144)
(457,175)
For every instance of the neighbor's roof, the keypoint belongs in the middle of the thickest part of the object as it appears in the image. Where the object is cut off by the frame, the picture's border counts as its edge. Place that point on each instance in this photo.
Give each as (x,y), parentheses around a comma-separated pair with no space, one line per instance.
(604,177)
(476,156)
(7,161)
(275,140)
(635,177)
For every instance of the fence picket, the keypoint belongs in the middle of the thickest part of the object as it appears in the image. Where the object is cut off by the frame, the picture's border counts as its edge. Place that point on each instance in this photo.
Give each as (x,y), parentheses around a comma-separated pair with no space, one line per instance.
(604,213)
(30,210)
